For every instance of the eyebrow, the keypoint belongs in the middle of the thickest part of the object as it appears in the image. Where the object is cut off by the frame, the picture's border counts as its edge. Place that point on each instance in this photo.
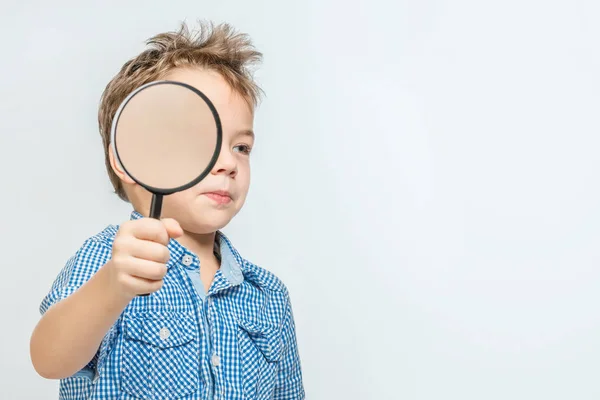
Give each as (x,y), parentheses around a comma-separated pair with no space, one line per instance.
(246,132)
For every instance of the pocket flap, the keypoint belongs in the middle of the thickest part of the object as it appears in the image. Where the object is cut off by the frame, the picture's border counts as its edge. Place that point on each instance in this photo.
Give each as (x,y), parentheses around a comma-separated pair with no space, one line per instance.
(162,331)
(267,338)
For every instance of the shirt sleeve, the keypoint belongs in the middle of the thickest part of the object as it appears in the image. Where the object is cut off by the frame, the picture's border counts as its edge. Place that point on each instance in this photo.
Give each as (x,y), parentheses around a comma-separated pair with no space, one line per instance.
(78,269)
(289,384)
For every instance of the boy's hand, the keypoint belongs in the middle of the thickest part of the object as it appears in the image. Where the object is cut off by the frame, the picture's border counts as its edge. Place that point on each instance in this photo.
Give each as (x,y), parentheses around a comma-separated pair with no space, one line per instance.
(140,255)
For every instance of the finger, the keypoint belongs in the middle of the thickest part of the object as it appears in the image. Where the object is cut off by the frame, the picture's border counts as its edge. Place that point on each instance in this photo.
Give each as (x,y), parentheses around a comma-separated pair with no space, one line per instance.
(147,269)
(150,229)
(173,228)
(151,251)
(143,286)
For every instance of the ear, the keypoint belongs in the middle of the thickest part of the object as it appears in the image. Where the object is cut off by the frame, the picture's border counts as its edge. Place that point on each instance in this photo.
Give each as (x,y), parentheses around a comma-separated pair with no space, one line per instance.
(117,167)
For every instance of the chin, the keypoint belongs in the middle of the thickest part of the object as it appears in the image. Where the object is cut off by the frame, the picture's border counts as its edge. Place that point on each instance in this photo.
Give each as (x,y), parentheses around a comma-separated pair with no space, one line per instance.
(209,222)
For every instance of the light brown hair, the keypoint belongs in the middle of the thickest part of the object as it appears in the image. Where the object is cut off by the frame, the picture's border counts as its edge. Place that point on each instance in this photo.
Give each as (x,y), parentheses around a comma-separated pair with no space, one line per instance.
(219,48)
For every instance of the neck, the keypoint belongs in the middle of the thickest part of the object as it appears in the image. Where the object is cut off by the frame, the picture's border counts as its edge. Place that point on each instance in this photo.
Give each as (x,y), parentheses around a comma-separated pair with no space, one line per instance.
(200,244)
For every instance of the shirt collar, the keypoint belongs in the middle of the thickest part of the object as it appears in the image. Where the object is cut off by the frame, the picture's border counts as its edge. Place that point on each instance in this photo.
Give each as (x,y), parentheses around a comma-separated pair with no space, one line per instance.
(231,262)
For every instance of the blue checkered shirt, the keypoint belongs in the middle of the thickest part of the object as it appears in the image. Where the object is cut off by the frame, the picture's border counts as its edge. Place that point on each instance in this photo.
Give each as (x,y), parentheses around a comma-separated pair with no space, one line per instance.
(237,341)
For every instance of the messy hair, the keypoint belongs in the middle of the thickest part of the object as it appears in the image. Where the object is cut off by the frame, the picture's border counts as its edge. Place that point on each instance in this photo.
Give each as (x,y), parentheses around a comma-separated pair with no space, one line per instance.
(218,48)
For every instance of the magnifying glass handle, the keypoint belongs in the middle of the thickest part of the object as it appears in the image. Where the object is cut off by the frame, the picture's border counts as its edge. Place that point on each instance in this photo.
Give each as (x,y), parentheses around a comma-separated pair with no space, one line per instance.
(155,209)
(156,206)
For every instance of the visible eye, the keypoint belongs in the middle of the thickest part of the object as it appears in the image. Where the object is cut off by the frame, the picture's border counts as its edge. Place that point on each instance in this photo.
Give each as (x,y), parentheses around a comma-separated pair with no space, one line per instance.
(242,148)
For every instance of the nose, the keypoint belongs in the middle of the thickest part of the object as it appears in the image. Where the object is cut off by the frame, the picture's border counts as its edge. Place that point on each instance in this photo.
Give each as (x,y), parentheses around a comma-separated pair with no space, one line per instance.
(226,164)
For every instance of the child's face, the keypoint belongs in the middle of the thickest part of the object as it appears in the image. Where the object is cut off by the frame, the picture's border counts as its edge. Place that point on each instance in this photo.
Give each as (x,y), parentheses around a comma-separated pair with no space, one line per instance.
(197,209)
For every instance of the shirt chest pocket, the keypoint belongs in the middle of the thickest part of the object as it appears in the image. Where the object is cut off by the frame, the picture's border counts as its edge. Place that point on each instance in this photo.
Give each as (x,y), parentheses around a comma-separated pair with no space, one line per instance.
(160,356)
(261,348)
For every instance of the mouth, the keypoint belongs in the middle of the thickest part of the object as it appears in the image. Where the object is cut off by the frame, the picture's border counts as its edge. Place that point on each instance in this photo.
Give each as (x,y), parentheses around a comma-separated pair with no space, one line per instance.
(219,196)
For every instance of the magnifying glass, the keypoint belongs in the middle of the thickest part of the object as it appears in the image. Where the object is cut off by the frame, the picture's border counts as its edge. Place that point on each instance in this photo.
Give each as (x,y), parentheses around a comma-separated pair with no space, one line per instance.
(166,135)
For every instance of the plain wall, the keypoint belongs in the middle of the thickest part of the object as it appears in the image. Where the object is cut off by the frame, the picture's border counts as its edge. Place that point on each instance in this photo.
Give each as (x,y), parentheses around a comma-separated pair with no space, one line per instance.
(425,182)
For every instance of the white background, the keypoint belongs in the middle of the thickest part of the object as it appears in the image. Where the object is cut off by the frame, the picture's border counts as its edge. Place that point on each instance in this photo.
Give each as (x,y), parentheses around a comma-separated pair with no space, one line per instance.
(425,181)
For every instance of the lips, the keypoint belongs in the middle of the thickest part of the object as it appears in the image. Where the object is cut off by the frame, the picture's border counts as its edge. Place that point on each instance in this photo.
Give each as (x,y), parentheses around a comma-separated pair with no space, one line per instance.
(219,196)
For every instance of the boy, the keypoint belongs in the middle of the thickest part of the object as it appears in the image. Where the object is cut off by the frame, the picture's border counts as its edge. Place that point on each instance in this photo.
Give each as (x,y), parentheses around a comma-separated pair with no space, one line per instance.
(214,326)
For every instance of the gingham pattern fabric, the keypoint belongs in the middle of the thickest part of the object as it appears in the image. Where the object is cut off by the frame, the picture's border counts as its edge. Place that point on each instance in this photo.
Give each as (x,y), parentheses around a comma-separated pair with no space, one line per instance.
(237,341)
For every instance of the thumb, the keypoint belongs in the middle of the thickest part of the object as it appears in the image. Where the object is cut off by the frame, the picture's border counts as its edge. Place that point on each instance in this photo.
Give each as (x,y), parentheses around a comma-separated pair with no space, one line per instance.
(173,228)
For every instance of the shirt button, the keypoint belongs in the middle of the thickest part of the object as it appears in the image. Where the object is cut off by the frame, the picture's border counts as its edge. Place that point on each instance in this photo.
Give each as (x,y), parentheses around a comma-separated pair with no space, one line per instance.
(164,333)
(187,260)
(216,360)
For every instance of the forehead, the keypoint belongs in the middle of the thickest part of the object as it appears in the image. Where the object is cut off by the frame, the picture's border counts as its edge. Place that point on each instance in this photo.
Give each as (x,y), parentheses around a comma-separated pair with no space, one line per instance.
(231,106)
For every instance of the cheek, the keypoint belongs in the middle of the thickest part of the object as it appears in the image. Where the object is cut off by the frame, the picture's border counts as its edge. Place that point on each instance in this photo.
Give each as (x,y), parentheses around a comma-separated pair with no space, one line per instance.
(243,184)
(243,175)
(177,201)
